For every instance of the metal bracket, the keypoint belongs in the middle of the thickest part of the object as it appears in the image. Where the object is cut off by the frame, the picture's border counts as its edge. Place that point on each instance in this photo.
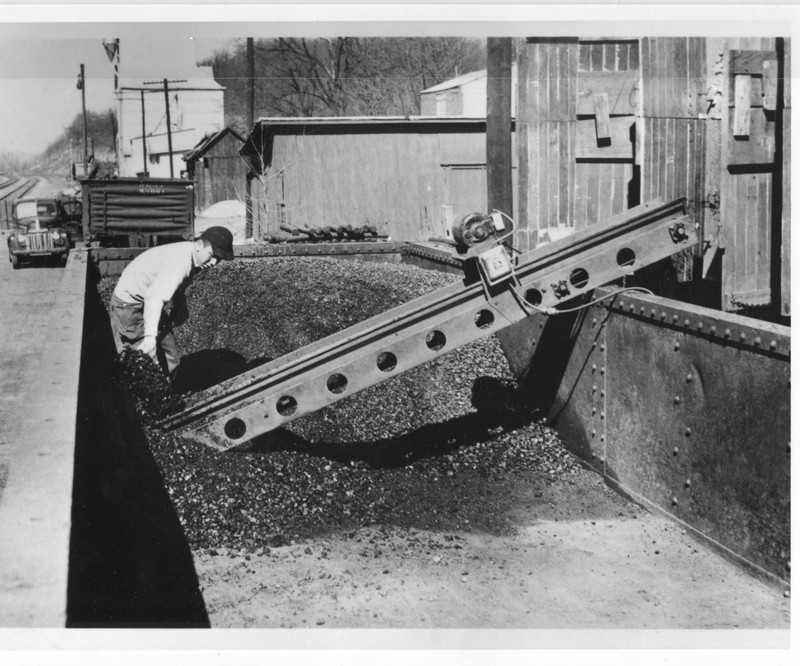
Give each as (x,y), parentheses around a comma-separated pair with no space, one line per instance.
(560,289)
(678,232)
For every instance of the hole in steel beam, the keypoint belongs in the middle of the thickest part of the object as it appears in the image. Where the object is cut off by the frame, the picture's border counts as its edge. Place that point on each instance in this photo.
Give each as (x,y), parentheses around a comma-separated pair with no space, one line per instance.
(484,319)
(387,361)
(286,405)
(435,340)
(626,257)
(533,296)
(579,278)
(235,428)
(337,383)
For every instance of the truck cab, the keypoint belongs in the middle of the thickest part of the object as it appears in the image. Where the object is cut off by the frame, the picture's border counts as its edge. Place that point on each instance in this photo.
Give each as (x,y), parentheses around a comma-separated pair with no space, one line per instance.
(40,230)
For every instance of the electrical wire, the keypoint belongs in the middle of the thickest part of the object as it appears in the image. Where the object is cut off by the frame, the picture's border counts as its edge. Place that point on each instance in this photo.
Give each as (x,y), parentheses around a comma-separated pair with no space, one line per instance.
(500,239)
(555,311)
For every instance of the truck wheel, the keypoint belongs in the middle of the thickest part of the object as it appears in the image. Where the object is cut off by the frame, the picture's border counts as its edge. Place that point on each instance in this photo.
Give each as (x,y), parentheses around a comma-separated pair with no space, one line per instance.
(15,263)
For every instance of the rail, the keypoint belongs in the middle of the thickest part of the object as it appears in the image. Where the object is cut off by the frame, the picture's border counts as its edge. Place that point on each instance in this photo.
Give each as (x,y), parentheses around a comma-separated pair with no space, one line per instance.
(10,191)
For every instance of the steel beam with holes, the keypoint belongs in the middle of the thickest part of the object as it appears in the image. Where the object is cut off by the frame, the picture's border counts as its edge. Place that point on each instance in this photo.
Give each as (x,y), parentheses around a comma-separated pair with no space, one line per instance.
(317,375)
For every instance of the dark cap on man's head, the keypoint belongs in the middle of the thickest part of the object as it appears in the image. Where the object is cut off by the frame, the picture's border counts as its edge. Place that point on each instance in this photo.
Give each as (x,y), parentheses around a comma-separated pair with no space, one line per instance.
(221,240)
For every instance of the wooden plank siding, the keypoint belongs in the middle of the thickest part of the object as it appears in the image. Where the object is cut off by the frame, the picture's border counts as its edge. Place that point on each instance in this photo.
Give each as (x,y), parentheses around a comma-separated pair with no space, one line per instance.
(674,141)
(398,177)
(786,190)
(219,175)
(683,147)
(602,187)
(747,204)
(566,182)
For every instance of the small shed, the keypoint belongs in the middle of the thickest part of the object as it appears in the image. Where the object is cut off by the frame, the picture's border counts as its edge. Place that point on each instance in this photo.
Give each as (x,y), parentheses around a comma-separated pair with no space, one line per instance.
(411,177)
(217,169)
(464,95)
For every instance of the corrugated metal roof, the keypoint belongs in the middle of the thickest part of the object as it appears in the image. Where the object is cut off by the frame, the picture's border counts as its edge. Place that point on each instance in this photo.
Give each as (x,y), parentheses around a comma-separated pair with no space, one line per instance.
(465,78)
(456,82)
(265,126)
(366,120)
(209,141)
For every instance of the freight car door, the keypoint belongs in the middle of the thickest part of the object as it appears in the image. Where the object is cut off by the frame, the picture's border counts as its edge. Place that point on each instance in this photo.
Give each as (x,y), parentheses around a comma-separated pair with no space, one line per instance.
(751,193)
(578,105)
(675,124)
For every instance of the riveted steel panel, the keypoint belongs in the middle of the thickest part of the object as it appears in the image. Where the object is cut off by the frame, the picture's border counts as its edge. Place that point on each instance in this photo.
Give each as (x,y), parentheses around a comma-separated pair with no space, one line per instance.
(698,422)
(684,408)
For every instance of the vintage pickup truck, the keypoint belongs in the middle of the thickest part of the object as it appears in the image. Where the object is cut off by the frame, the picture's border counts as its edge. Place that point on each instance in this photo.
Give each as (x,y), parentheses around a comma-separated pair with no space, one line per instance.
(42,229)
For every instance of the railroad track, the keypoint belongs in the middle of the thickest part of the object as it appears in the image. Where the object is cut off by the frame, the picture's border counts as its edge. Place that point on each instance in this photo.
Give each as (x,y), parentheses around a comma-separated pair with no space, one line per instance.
(11,190)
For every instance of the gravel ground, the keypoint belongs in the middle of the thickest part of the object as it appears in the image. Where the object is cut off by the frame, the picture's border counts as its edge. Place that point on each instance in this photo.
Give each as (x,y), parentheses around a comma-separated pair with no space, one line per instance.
(405,505)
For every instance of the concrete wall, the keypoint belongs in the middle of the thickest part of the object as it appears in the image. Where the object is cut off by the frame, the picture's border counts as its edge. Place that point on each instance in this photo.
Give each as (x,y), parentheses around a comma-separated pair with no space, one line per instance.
(40,373)
(88,535)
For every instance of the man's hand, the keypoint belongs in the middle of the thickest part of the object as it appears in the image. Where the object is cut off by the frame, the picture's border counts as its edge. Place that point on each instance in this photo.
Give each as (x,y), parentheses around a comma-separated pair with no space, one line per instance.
(148,345)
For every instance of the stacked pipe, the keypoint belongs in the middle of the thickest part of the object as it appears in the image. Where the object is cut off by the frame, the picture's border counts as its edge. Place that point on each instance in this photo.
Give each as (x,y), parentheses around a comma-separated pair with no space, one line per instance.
(328,234)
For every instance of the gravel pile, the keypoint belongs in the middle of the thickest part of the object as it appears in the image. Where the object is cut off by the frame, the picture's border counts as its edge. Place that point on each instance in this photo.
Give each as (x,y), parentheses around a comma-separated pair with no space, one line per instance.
(412,451)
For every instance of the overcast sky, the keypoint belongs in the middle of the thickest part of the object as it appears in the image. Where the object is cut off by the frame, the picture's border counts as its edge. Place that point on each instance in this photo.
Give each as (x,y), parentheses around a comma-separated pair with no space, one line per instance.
(39,72)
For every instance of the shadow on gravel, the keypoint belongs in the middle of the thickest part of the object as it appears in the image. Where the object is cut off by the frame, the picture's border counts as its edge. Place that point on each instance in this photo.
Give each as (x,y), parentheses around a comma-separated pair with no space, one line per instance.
(130,563)
(206,368)
(500,408)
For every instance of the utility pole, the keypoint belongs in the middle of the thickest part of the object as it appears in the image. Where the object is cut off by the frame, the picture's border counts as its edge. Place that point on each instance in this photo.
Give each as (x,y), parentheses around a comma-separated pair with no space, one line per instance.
(251,103)
(144,141)
(82,88)
(169,122)
(169,130)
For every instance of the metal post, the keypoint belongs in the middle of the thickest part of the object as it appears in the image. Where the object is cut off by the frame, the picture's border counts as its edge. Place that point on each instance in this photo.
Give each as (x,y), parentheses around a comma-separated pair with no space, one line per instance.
(498,124)
(251,103)
(169,130)
(144,142)
(83,104)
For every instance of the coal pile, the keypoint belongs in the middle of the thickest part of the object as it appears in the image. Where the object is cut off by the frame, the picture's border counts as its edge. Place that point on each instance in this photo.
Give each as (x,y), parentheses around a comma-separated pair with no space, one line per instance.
(412,451)
(147,384)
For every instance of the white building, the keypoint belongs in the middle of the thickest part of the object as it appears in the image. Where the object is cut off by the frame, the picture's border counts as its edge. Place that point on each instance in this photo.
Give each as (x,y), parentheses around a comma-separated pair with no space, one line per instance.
(463,96)
(195,107)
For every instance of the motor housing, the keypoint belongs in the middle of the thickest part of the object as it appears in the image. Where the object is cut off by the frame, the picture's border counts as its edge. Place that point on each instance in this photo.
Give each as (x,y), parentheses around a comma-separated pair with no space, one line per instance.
(477,228)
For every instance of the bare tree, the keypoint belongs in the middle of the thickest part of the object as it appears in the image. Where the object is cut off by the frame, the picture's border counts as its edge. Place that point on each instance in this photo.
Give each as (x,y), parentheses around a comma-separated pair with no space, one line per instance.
(343,75)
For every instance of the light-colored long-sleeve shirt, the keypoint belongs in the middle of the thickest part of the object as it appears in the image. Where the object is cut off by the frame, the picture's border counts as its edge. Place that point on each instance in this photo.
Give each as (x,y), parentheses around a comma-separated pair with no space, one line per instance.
(153,277)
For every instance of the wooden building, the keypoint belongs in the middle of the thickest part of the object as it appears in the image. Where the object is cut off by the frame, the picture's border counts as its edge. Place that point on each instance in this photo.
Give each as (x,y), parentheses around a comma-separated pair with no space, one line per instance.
(463,95)
(605,124)
(218,170)
(601,125)
(409,177)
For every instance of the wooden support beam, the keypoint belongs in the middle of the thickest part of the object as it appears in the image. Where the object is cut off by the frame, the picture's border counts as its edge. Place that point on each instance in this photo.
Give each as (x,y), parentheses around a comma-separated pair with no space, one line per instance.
(619,144)
(741,109)
(498,125)
(602,121)
(769,85)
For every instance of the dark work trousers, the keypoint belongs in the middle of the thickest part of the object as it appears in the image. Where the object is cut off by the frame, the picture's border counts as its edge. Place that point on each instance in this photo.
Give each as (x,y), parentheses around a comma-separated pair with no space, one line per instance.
(127,325)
